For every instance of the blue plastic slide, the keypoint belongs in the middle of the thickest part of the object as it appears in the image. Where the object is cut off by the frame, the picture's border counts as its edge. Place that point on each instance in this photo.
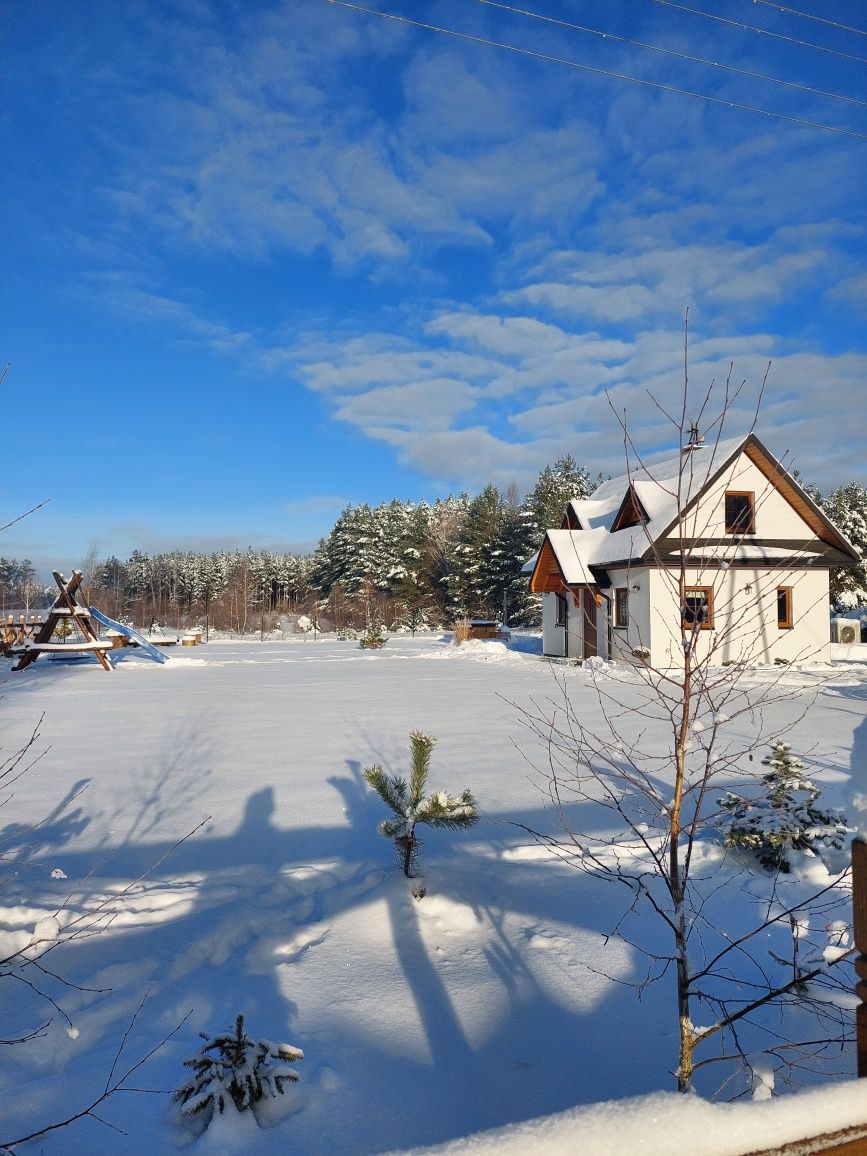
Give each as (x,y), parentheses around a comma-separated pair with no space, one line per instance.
(128,632)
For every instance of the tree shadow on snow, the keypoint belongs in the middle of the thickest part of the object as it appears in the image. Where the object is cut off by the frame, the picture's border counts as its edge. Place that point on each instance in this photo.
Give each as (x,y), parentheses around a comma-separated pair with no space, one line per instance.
(231,915)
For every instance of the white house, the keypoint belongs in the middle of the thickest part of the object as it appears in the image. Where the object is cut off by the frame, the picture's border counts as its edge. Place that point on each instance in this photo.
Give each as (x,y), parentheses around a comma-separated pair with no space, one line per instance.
(718,549)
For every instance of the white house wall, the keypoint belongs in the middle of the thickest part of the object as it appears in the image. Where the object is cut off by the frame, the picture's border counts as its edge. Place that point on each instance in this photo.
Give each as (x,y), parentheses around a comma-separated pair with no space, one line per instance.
(744,617)
(553,636)
(637,634)
(775,518)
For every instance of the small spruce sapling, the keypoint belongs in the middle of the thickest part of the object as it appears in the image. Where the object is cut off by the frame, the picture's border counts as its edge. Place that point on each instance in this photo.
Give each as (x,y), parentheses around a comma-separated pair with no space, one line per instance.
(232,1066)
(410,807)
(785,817)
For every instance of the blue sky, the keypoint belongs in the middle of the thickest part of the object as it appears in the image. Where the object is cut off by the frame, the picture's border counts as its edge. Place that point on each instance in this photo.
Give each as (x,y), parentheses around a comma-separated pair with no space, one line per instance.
(263,259)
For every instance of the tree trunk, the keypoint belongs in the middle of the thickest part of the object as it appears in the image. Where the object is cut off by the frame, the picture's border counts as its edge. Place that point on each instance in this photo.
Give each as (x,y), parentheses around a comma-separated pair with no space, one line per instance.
(676,883)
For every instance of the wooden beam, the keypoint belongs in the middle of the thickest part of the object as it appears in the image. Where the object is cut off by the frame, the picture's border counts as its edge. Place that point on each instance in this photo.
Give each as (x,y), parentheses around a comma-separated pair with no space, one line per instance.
(80,613)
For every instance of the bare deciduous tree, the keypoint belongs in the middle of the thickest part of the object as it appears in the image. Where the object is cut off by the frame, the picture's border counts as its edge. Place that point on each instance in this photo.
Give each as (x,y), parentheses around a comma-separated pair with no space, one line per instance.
(638,795)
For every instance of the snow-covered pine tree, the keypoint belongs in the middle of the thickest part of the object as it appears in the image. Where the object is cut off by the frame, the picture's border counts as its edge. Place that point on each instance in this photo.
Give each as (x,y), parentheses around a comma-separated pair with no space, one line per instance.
(231,1066)
(412,575)
(847,509)
(472,586)
(410,807)
(784,817)
(517,541)
(554,489)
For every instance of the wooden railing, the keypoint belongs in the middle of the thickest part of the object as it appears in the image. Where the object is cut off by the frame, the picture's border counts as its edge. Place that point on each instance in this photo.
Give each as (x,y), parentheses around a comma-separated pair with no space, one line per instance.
(14,632)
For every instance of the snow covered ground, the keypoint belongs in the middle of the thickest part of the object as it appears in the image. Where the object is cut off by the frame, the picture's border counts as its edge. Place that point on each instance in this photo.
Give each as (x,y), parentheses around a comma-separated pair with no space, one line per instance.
(491,1001)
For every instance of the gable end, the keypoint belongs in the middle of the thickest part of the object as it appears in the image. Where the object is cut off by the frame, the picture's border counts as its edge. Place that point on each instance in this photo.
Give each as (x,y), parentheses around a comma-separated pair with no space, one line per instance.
(547,577)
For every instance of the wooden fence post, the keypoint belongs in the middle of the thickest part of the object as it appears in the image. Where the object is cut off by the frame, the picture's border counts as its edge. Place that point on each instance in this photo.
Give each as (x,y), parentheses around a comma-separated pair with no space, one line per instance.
(859,912)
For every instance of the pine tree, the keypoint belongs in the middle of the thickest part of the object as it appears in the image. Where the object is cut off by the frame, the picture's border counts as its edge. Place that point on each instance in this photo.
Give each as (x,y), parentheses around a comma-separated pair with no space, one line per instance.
(472,587)
(557,485)
(847,509)
(232,1066)
(517,541)
(785,817)
(410,807)
(373,637)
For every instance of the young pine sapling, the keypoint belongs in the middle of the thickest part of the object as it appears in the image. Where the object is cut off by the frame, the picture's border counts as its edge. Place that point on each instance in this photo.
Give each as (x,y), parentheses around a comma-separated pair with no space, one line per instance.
(410,807)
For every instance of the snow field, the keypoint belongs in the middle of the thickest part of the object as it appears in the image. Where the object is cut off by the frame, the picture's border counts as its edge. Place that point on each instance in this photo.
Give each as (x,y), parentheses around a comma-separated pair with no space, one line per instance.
(491,1001)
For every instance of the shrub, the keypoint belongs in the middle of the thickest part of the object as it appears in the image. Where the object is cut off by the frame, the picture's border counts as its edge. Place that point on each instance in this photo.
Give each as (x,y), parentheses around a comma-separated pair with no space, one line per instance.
(372,639)
(461,630)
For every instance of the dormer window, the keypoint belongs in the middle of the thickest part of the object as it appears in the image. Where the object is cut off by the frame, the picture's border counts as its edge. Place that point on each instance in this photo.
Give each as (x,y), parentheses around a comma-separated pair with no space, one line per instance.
(631,512)
(740,512)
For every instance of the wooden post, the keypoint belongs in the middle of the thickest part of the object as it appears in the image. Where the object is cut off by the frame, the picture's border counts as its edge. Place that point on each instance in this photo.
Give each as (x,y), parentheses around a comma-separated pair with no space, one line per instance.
(859,912)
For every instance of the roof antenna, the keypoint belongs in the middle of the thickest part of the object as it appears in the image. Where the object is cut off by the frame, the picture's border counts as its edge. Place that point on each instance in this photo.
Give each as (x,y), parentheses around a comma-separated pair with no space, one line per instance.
(696,439)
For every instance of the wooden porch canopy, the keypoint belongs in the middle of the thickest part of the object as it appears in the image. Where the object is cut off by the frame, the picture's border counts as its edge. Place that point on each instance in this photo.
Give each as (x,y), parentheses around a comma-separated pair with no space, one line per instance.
(547,576)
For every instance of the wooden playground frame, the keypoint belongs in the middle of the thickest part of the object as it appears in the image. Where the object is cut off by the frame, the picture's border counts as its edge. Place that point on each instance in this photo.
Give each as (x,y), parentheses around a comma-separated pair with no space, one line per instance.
(35,638)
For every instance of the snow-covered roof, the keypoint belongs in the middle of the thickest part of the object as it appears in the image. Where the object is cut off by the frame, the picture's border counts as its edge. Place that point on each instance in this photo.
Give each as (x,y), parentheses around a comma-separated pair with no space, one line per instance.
(656,488)
(530,565)
(662,492)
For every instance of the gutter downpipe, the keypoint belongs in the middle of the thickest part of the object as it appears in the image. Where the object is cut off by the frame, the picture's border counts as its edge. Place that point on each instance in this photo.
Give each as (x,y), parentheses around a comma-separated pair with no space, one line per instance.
(609,629)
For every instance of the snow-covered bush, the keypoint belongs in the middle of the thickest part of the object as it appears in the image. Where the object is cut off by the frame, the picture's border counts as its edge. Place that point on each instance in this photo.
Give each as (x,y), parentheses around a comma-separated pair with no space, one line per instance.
(410,807)
(784,817)
(231,1066)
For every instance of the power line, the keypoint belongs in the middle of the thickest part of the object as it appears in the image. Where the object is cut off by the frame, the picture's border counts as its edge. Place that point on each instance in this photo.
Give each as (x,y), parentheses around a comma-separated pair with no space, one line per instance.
(670,52)
(761,31)
(595,70)
(810,16)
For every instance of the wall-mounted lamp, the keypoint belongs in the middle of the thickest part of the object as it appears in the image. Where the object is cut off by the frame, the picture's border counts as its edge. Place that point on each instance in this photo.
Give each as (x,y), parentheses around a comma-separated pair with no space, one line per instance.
(748,589)
(636,586)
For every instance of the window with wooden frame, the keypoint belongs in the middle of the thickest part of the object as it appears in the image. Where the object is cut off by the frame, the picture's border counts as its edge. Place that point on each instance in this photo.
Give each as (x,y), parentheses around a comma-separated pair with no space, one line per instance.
(740,512)
(621,608)
(562,610)
(697,609)
(784,607)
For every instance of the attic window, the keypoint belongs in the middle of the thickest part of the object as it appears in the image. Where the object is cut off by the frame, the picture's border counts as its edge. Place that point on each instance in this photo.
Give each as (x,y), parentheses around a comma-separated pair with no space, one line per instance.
(740,512)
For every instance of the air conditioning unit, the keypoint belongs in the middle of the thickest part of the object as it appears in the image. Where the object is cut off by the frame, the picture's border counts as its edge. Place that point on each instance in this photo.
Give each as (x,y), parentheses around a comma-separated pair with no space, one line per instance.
(845,630)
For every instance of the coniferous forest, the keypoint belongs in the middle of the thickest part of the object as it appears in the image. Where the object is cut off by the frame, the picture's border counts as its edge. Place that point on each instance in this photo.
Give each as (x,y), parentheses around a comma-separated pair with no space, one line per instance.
(399,565)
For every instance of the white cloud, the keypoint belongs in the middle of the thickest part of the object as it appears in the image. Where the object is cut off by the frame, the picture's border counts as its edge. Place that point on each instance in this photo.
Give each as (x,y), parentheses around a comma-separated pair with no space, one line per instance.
(564,408)
(423,406)
(602,212)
